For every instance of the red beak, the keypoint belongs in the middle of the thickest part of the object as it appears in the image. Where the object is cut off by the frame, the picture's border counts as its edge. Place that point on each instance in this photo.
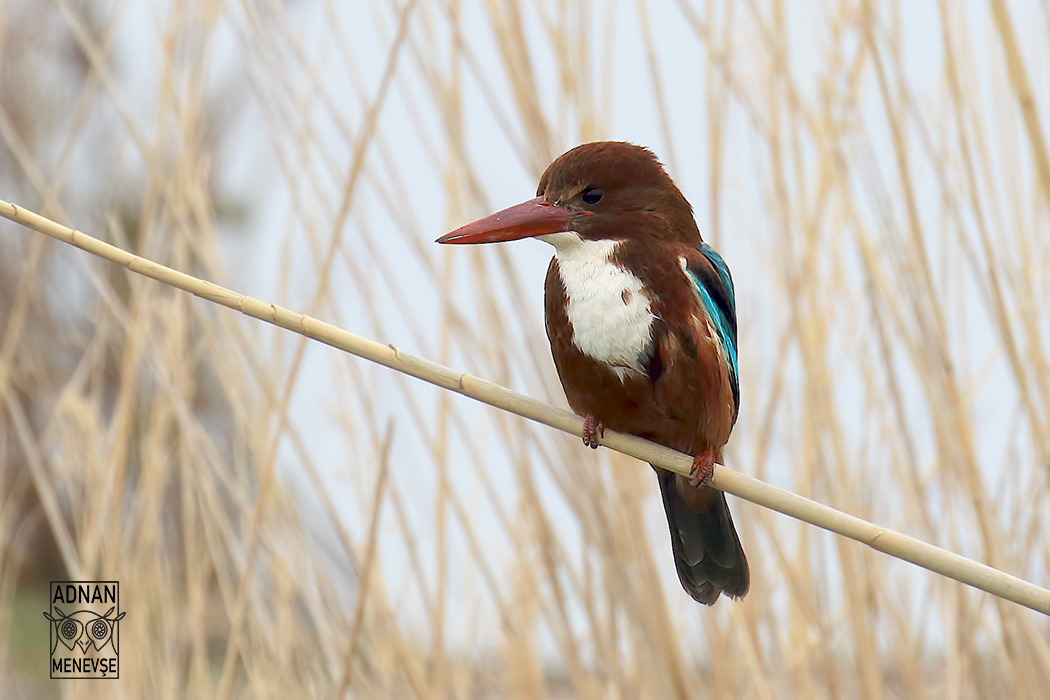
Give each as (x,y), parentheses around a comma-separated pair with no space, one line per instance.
(535,217)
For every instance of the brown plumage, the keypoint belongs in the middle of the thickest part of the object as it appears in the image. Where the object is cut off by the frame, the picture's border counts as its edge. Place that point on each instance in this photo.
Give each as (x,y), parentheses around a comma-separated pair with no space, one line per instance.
(671,329)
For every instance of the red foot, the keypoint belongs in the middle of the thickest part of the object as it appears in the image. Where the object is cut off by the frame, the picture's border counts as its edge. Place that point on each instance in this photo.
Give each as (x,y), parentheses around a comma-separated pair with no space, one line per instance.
(592,431)
(703,469)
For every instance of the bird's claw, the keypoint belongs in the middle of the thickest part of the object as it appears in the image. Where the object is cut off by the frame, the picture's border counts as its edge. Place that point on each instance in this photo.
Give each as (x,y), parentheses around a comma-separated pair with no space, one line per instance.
(703,469)
(593,430)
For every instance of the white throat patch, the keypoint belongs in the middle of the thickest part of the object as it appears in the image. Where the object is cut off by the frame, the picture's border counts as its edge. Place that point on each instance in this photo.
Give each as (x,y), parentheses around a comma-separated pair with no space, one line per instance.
(608,310)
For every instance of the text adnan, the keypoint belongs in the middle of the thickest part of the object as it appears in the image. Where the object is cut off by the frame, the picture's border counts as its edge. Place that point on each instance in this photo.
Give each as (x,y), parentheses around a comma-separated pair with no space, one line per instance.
(85,593)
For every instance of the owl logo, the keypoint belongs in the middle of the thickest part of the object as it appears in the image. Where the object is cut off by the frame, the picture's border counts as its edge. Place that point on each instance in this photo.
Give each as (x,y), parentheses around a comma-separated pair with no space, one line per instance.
(85,629)
(84,618)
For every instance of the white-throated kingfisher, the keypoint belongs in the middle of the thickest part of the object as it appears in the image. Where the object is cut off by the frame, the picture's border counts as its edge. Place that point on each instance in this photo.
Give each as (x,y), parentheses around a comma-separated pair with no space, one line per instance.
(641,318)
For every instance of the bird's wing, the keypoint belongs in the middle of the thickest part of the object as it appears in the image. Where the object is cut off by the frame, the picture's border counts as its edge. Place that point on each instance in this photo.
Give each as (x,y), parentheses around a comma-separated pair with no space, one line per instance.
(713,286)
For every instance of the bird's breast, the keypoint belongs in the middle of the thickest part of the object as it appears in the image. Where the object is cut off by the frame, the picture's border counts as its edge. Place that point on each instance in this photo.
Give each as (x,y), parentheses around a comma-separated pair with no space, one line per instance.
(606,306)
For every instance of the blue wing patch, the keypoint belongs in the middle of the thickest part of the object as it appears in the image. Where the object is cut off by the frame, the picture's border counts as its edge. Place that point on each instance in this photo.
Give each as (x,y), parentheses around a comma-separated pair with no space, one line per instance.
(723,274)
(717,296)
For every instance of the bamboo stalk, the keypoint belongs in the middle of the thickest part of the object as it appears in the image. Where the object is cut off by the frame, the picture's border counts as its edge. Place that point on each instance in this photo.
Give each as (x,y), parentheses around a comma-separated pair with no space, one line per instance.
(935,559)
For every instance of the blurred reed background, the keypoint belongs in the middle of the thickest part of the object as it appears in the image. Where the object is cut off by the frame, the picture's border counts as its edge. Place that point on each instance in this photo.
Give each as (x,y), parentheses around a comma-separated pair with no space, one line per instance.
(289,522)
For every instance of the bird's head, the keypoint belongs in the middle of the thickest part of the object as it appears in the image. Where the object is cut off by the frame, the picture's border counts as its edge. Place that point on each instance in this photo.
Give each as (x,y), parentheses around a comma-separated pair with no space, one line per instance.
(602,190)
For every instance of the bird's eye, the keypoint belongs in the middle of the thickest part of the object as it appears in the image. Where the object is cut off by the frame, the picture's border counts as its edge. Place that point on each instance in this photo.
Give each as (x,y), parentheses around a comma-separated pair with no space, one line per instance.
(592,195)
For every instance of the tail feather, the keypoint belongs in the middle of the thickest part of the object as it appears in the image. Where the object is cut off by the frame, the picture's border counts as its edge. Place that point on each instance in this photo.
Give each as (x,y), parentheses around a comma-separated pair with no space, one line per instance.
(707,551)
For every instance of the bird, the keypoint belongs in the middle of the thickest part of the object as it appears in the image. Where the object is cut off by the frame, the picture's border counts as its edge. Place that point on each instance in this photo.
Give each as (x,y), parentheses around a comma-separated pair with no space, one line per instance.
(641,318)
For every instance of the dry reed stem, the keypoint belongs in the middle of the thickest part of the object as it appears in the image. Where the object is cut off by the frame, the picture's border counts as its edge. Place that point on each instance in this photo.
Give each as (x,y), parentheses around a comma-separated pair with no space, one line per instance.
(378,497)
(933,558)
(1025,99)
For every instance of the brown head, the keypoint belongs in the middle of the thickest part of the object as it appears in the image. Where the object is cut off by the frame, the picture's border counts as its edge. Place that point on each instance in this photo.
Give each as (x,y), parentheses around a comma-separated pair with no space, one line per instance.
(601,190)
